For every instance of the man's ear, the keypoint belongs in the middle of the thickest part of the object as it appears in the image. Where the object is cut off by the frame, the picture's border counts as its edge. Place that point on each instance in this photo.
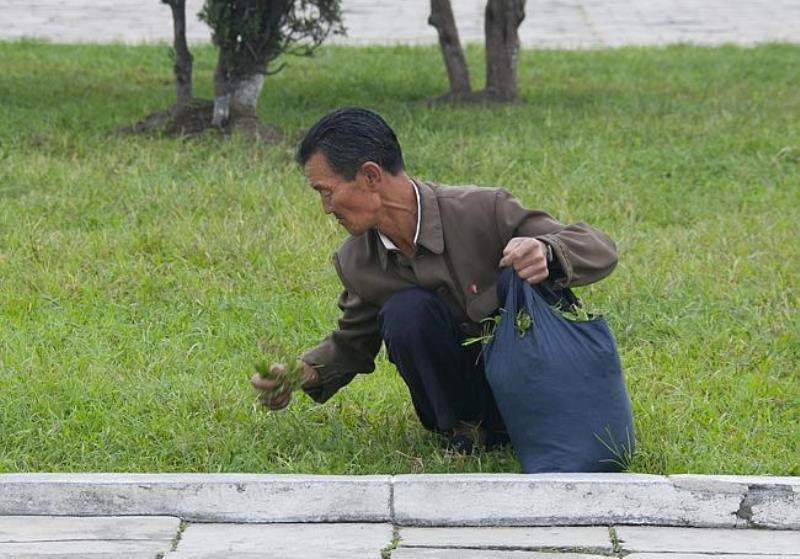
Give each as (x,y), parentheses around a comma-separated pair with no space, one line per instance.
(372,173)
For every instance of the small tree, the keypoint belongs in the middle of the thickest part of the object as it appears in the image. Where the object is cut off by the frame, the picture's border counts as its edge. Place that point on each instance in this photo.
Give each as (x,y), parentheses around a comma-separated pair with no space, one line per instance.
(501,25)
(183,57)
(249,35)
(445,23)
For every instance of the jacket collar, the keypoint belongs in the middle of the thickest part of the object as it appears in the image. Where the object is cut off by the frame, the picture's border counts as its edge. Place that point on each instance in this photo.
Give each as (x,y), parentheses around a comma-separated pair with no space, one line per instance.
(430,226)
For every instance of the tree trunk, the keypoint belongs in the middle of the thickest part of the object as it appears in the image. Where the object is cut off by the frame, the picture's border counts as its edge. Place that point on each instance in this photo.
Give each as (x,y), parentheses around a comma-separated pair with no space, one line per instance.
(503,18)
(222,89)
(244,95)
(183,58)
(234,96)
(442,19)
(236,101)
(239,76)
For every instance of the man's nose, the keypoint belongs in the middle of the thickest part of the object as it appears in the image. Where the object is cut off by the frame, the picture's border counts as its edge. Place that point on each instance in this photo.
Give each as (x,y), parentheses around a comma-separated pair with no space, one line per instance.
(326,206)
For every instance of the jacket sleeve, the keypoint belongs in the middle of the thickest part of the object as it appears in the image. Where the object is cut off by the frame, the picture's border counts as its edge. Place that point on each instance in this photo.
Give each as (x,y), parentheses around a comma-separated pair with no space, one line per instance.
(348,350)
(584,254)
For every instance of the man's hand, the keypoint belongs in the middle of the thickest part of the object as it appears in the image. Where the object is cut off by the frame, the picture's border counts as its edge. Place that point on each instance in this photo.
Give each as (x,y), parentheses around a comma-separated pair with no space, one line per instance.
(528,256)
(275,394)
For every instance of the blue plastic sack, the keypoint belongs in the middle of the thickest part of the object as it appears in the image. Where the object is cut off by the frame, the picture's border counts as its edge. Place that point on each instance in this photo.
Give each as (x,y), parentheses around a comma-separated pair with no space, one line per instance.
(558,385)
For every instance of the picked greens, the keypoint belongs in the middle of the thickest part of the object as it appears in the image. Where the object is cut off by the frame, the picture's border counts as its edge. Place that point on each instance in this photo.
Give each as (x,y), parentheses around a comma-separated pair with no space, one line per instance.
(288,371)
(524,321)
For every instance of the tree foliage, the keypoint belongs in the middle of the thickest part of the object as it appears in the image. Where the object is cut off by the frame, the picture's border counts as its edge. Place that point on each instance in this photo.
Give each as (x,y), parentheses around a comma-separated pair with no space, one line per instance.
(253,33)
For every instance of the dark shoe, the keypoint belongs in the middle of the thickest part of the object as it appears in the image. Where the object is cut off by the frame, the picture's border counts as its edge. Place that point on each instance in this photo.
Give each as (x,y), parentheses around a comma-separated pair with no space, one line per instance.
(461,443)
(466,437)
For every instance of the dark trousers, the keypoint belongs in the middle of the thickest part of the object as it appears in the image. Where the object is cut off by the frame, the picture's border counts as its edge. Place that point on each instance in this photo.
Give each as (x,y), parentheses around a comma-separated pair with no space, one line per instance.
(445,378)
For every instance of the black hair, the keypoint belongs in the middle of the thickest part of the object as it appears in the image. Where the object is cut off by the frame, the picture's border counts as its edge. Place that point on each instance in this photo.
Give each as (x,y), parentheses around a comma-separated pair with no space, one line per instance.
(349,137)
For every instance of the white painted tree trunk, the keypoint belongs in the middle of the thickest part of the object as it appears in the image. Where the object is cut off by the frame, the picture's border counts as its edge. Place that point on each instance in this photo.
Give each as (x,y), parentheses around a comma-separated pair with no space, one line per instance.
(246,93)
(241,99)
(222,109)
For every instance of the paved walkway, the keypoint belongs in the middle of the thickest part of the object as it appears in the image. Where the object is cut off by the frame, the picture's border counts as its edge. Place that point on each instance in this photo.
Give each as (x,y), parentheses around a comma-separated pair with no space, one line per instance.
(470,516)
(549,23)
(26,537)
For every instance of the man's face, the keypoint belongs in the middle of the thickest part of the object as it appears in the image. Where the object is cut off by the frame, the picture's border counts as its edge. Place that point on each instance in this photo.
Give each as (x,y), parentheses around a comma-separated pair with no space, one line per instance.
(354,203)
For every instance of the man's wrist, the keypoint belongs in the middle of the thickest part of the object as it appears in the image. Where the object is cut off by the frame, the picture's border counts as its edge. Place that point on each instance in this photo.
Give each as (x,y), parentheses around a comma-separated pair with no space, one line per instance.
(554,264)
(310,376)
(548,252)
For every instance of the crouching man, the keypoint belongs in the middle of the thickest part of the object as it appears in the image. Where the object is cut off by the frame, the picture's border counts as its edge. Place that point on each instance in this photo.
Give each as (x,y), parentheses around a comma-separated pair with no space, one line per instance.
(419,271)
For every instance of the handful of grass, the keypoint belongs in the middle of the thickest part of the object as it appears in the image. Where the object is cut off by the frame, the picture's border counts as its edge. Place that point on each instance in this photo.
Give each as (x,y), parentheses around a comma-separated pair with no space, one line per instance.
(288,377)
(287,371)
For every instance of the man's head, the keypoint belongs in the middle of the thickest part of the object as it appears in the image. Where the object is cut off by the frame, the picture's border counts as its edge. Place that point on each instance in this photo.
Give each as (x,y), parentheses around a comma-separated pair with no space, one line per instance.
(350,137)
(348,156)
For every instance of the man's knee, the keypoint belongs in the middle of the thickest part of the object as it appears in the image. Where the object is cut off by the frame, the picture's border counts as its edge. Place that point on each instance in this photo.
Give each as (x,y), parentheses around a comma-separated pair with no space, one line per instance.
(409,313)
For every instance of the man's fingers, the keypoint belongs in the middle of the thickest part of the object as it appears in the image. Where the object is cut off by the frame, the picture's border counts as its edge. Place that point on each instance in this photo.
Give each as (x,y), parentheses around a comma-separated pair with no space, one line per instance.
(514,251)
(511,248)
(511,255)
(522,253)
(275,401)
(272,393)
(266,384)
(281,401)
(528,260)
(512,245)
(275,405)
(534,274)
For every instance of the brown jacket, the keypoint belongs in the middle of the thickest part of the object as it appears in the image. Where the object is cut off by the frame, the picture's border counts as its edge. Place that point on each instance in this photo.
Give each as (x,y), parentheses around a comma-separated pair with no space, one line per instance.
(463,231)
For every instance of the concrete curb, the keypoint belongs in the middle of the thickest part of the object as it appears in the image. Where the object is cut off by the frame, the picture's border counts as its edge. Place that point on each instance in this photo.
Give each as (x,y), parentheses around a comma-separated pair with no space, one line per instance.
(590,499)
(416,500)
(200,497)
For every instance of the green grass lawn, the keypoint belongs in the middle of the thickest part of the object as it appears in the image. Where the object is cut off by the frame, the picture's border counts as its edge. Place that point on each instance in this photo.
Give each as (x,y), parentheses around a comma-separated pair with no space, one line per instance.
(138,275)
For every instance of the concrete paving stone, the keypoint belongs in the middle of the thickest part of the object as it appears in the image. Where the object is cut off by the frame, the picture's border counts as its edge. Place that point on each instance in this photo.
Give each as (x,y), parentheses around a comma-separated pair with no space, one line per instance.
(140,549)
(49,528)
(238,555)
(560,499)
(369,21)
(205,497)
(768,502)
(80,555)
(704,556)
(703,540)
(698,480)
(596,538)
(283,541)
(441,553)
